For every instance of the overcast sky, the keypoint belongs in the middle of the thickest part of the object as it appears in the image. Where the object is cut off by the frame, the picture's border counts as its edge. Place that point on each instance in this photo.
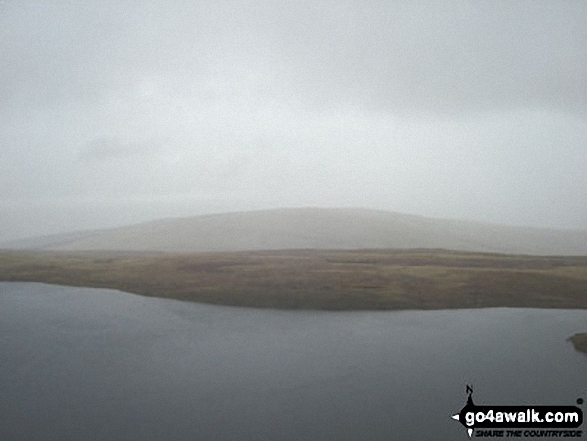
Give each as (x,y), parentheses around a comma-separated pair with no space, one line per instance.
(113,112)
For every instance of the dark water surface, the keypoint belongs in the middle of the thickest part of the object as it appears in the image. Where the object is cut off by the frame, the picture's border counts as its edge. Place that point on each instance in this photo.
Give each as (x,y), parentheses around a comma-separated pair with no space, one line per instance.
(88,364)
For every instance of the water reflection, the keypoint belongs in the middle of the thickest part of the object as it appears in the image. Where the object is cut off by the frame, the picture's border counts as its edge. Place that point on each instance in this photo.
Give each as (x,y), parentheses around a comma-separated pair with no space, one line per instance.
(100,365)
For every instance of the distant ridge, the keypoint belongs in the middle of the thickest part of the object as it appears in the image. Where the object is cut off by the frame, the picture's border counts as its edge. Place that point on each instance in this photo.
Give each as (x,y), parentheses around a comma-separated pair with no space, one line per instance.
(316,228)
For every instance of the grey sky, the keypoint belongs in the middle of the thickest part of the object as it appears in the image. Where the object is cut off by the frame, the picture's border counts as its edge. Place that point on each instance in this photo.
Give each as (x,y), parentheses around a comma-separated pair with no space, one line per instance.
(114,112)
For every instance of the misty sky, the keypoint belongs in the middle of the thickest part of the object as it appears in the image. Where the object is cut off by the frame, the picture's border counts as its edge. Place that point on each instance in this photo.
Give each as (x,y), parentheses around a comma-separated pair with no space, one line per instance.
(114,112)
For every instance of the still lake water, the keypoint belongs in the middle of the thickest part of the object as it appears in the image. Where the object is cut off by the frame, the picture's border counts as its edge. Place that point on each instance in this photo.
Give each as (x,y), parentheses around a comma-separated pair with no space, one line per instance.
(90,364)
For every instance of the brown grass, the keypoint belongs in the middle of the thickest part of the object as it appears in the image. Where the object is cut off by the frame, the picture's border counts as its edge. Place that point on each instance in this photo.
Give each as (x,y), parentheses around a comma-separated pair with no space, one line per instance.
(308,279)
(579,342)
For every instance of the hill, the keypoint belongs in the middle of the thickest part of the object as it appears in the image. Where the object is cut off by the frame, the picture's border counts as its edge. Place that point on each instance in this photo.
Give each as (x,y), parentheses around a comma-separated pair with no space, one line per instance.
(316,228)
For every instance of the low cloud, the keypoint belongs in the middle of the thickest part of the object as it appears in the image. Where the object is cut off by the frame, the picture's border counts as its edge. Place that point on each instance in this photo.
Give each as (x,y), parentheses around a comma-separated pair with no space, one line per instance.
(446,108)
(106,148)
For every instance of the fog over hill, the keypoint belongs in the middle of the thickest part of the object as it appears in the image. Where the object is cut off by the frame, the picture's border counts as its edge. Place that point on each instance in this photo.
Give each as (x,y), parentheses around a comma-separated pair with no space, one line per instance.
(114,113)
(317,228)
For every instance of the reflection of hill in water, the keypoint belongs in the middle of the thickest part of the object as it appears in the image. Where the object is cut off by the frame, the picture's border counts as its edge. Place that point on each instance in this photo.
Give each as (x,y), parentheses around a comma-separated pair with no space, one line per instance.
(316,228)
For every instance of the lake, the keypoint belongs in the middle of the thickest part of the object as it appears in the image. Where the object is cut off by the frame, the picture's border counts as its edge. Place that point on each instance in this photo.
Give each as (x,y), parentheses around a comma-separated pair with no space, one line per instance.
(93,364)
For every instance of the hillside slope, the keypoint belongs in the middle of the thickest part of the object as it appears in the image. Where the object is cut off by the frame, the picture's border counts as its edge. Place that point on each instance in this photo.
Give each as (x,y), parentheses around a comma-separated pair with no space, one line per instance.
(318,228)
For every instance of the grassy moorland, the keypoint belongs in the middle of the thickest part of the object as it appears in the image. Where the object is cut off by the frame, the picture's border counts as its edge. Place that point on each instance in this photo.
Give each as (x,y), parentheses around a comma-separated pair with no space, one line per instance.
(309,279)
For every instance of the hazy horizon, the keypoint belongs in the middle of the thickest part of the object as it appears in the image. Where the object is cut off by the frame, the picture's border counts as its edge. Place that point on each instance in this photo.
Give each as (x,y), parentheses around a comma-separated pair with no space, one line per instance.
(114,113)
(114,226)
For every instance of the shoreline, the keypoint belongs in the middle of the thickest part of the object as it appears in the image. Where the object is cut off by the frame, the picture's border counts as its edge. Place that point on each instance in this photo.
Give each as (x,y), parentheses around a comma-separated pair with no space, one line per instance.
(337,280)
(579,341)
